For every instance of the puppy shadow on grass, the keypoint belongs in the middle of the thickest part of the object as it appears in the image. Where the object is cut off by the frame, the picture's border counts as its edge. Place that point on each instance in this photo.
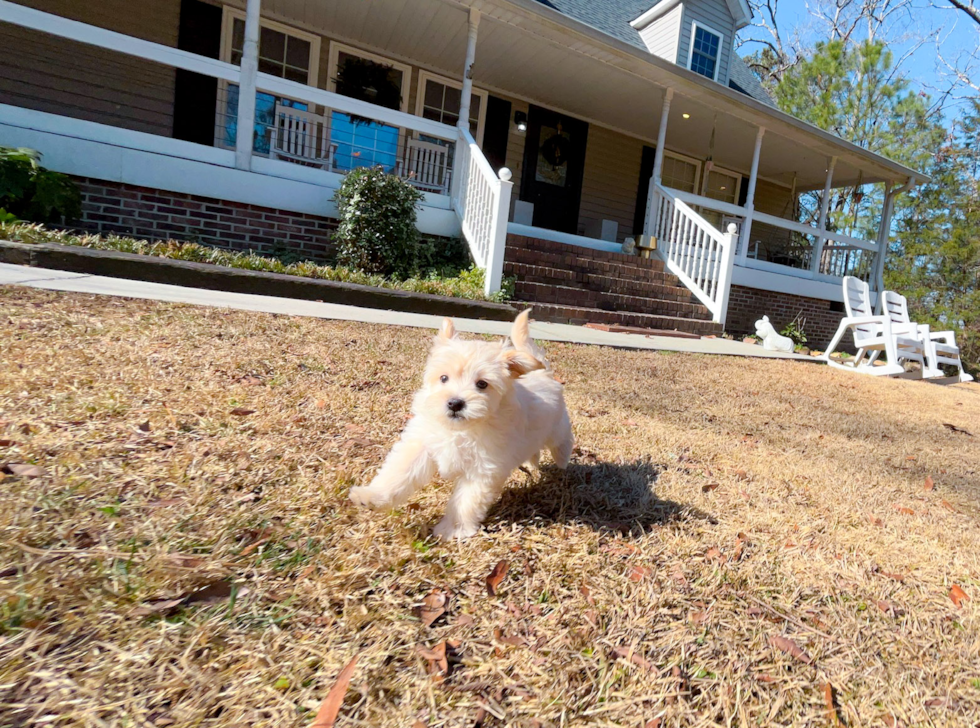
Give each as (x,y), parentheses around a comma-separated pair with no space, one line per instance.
(614,497)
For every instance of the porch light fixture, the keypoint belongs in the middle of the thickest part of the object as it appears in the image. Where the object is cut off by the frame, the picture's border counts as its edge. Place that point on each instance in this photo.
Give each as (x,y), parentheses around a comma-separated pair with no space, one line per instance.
(520,118)
(686,116)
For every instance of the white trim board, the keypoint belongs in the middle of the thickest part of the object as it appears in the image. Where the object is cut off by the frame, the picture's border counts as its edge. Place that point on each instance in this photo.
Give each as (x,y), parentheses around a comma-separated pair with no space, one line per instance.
(88,149)
(783,283)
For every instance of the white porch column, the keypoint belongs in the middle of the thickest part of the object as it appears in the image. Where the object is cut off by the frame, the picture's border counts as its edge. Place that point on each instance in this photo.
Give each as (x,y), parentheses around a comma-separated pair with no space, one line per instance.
(246,89)
(467,93)
(658,163)
(824,208)
(743,237)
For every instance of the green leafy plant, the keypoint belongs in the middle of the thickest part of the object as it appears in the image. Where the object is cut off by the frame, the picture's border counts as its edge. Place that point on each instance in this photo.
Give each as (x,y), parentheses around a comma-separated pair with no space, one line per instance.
(794,330)
(29,191)
(377,232)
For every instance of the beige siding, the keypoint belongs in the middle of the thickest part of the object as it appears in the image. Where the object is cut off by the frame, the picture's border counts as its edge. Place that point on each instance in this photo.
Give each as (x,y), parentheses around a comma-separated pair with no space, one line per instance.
(612,175)
(715,15)
(661,36)
(771,199)
(46,73)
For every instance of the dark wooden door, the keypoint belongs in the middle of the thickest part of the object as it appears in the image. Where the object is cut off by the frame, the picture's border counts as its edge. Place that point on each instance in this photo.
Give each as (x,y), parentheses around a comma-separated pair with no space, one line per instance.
(643,188)
(554,161)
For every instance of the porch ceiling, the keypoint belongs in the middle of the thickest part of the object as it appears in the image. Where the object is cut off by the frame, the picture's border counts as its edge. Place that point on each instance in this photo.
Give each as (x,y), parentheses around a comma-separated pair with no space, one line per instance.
(529,51)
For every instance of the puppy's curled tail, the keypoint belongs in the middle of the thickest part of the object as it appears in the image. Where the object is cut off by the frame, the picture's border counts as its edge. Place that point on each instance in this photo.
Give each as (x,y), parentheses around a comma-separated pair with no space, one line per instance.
(520,338)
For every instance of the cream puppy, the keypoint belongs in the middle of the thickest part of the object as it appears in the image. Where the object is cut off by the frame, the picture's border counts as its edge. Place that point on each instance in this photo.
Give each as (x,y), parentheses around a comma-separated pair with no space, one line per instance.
(483,410)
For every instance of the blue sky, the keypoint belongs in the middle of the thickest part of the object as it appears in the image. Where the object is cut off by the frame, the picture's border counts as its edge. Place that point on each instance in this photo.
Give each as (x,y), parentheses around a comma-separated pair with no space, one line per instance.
(923,24)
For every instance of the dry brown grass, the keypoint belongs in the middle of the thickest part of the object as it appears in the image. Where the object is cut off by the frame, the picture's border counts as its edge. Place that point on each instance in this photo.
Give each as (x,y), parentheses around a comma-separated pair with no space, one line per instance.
(680,618)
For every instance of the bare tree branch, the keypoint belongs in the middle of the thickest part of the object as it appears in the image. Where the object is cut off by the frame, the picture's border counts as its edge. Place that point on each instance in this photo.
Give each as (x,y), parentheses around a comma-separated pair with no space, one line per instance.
(971,10)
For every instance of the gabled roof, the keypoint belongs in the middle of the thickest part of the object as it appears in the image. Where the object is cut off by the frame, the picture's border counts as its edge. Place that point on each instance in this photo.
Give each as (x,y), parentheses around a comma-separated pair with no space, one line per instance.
(614,17)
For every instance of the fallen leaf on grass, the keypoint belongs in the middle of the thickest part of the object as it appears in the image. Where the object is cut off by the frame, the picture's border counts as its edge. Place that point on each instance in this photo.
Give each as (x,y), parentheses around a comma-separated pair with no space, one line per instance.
(940,703)
(897,577)
(496,576)
(213,593)
(890,608)
(714,554)
(157,606)
(8,443)
(875,521)
(954,428)
(587,593)
(789,647)
(626,653)
(906,511)
(23,470)
(639,573)
(948,506)
(327,715)
(828,701)
(958,596)
(433,607)
(242,412)
(892,722)
(465,620)
(741,475)
(929,484)
(709,487)
(437,662)
(145,426)
(512,639)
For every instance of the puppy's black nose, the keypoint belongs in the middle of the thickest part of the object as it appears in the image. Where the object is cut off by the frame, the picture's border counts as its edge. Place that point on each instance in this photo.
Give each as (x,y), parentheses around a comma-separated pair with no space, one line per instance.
(456,404)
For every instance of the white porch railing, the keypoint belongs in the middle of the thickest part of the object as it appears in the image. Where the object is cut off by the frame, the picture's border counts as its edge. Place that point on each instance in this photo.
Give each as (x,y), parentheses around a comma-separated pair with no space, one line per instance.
(841,255)
(693,250)
(481,200)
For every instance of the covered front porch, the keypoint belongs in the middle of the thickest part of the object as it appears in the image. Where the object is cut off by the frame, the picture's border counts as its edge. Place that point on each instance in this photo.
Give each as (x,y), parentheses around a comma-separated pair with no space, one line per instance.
(463,98)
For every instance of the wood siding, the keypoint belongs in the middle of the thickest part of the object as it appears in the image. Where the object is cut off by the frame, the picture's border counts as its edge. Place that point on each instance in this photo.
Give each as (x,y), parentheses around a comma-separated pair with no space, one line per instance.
(662,35)
(612,176)
(42,72)
(715,15)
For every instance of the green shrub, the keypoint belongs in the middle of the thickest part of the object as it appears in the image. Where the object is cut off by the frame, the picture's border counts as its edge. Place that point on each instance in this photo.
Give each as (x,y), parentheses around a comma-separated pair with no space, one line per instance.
(441,257)
(377,232)
(28,191)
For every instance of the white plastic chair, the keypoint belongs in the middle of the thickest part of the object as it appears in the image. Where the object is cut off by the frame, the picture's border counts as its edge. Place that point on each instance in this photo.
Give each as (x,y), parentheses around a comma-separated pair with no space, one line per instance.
(426,165)
(872,336)
(940,346)
(301,136)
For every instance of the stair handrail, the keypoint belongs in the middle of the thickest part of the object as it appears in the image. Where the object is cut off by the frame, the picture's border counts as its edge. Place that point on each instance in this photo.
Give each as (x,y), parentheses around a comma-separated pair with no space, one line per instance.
(481,200)
(694,250)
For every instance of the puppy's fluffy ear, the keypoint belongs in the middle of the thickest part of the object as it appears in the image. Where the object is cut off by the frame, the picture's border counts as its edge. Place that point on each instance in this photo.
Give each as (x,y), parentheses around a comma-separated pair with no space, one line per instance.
(519,333)
(446,332)
(519,362)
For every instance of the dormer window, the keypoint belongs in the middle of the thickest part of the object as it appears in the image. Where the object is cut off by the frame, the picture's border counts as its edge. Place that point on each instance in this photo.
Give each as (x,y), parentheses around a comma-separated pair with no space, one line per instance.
(705,50)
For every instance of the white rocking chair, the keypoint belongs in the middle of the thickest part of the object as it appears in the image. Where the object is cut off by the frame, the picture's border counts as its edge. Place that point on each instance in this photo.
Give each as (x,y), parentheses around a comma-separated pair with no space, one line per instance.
(426,165)
(303,137)
(872,336)
(940,346)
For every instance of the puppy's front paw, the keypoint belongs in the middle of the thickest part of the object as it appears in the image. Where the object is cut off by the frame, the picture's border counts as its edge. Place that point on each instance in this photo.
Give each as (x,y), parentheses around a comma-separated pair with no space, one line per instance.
(449,531)
(367,496)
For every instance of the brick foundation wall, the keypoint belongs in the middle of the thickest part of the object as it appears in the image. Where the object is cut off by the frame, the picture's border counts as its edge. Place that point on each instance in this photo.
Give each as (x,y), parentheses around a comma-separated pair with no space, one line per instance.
(748,305)
(141,212)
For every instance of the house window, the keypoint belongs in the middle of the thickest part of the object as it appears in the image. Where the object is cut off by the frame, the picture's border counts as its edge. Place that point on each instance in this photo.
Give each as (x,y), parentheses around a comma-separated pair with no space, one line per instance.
(722,186)
(364,142)
(705,51)
(283,52)
(439,100)
(679,174)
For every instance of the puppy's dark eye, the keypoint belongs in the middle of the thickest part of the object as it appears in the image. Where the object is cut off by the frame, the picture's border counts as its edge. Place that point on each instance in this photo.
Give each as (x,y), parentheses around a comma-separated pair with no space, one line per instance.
(444,379)
(481,384)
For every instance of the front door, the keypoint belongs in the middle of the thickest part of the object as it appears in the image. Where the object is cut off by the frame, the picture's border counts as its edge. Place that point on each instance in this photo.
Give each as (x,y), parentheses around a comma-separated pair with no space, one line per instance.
(554,161)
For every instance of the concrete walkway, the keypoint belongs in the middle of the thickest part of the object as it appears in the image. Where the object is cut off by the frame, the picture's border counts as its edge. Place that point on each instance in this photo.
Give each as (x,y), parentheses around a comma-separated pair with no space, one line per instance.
(56,280)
